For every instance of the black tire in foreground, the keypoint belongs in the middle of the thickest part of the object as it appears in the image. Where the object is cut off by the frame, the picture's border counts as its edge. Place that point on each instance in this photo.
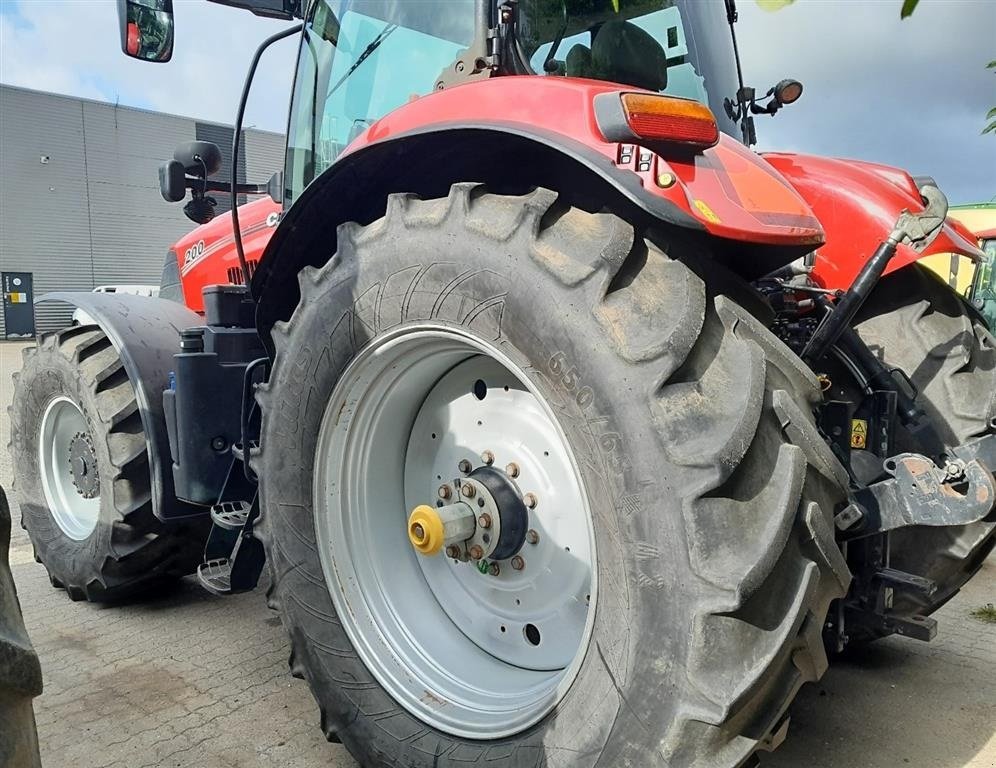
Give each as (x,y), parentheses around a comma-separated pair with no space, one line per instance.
(711,490)
(127,550)
(915,322)
(20,672)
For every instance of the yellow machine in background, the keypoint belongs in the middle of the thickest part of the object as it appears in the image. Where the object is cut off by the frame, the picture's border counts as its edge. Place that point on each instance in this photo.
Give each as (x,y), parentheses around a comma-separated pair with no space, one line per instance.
(957,270)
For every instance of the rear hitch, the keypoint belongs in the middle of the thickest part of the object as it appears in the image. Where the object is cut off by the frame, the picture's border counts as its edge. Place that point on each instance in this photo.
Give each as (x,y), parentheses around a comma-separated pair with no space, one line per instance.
(920,493)
(916,228)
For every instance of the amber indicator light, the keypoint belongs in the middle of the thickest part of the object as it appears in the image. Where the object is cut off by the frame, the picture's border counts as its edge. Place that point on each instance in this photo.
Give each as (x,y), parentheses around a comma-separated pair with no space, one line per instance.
(663,118)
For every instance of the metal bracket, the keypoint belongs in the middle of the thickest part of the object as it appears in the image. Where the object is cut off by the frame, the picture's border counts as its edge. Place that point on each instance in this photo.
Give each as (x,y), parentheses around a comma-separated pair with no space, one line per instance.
(919,493)
(920,228)
(916,627)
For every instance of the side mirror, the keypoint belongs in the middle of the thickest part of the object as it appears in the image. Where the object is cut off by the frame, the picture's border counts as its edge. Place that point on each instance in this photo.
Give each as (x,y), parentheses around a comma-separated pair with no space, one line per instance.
(146,29)
(199,158)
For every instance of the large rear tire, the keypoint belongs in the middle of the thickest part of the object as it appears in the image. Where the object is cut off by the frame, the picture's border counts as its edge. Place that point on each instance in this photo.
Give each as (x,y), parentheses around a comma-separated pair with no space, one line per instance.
(915,322)
(709,490)
(81,468)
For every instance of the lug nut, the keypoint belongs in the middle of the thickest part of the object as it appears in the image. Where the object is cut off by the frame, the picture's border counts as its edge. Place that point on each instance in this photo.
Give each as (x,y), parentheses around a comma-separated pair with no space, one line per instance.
(518,563)
(465,466)
(453,551)
(494,569)
(484,520)
(468,490)
(445,492)
(488,458)
(531,500)
(532,537)
(512,470)
(476,553)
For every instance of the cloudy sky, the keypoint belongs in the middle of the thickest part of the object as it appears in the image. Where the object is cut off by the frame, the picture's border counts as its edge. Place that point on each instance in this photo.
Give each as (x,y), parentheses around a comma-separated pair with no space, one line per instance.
(911,93)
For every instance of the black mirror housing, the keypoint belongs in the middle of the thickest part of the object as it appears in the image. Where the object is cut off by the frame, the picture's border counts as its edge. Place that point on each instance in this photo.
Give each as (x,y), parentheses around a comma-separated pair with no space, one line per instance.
(172,181)
(146,29)
(199,158)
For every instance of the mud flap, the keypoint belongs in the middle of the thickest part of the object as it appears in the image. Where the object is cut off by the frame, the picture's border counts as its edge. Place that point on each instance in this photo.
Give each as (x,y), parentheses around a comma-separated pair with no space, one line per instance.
(146,333)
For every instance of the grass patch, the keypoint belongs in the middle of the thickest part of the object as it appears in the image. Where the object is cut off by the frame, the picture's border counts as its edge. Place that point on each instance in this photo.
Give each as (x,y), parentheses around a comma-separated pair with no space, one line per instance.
(986,613)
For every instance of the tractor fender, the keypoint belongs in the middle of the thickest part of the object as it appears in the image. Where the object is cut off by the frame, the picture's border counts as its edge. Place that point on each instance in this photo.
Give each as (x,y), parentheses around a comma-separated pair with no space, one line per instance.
(513,133)
(145,332)
(858,204)
(508,157)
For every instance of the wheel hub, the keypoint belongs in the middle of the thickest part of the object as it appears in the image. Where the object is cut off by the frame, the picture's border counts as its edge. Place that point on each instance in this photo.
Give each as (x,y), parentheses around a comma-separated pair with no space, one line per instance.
(83,465)
(489,522)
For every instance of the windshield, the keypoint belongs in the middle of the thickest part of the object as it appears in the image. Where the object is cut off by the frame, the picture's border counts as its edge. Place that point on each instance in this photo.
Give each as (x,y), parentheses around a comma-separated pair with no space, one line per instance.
(359,60)
(678,47)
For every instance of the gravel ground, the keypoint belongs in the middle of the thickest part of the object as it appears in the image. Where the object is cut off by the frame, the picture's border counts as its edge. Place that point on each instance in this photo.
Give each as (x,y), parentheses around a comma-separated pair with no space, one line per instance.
(190,679)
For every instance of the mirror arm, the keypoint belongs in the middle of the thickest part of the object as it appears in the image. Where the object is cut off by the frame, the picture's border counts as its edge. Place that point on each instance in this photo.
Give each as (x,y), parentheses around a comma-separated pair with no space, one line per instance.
(237,138)
(223,186)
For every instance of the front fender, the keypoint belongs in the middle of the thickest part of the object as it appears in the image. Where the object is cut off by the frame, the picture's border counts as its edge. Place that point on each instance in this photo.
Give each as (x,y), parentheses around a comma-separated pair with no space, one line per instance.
(146,334)
(858,204)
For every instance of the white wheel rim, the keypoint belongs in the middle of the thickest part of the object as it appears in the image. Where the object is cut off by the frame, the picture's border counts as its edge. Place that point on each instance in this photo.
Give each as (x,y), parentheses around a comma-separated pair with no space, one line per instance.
(75,514)
(467,652)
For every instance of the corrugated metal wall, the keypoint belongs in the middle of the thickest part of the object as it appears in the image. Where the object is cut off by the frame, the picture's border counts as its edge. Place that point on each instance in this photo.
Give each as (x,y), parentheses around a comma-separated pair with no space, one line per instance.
(80,203)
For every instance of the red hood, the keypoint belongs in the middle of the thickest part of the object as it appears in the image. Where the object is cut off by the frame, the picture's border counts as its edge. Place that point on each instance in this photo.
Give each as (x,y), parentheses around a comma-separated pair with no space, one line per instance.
(858,204)
(207,255)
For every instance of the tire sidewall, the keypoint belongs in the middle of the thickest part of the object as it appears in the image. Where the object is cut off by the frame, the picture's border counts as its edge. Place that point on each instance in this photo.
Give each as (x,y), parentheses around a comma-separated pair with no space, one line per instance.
(595,402)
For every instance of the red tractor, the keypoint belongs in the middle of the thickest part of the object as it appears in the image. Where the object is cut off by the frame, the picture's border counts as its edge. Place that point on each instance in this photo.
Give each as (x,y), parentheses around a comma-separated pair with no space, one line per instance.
(572,431)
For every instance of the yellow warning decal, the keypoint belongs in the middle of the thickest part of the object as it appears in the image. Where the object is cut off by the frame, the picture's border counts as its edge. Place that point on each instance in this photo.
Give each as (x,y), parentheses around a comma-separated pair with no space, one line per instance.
(706,211)
(18,298)
(859,433)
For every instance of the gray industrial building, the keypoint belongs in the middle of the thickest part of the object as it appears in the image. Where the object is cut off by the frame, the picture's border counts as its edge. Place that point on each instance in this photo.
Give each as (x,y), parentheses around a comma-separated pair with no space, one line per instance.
(79,201)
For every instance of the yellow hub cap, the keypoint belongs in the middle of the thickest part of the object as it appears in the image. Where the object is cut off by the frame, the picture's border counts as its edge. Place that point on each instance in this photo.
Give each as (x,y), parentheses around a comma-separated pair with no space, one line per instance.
(425,530)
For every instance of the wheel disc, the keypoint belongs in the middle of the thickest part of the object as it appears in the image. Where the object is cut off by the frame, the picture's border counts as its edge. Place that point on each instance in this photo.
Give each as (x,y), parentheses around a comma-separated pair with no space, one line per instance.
(477,648)
(69,469)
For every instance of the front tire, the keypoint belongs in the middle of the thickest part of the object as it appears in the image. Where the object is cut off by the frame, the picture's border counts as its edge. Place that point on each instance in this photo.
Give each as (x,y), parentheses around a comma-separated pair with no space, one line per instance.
(710,489)
(82,473)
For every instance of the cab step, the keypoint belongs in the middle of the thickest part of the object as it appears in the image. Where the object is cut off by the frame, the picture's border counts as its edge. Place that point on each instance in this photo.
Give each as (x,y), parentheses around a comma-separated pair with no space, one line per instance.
(231,515)
(216,576)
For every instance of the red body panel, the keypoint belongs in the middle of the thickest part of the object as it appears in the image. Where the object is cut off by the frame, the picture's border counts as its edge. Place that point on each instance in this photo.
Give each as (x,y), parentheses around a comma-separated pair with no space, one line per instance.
(207,255)
(846,207)
(986,234)
(858,204)
(728,188)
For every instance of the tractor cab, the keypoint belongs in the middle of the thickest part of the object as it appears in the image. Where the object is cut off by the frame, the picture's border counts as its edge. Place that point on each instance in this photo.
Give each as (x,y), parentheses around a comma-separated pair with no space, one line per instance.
(361,59)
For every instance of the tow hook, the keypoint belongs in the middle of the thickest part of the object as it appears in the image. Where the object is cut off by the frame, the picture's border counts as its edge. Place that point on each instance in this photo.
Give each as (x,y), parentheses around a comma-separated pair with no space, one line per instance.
(920,493)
